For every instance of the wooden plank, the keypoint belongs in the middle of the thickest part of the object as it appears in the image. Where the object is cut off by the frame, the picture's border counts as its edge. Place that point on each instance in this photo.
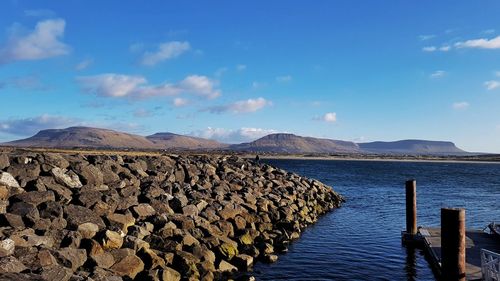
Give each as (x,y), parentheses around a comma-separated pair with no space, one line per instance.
(475,241)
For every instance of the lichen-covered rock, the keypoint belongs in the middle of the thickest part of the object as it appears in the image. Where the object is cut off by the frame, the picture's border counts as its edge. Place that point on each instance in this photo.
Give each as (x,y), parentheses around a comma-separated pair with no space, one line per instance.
(8,180)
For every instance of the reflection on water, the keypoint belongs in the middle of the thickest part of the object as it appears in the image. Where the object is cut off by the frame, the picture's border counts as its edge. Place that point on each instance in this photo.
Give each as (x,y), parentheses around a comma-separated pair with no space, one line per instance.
(361,240)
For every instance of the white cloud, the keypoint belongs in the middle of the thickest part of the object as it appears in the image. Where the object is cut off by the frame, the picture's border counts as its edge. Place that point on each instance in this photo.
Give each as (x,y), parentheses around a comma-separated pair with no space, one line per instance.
(438,74)
(497,73)
(179,102)
(429,49)
(200,85)
(119,85)
(241,67)
(426,37)
(167,50)
(30,126)
(284,79)
(84,64)
(445,48)
(258,85)
(481,43)
(460,105)
(220,71)
(43,42)
(233,136)
(330,117)
(492,84)
(244,106)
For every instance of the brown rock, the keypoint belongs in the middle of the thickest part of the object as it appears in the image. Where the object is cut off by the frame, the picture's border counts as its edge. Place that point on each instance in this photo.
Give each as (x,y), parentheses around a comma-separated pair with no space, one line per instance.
(129,266)
(144,210)
(170,274)
(46,258)
(71,258)
(112,240)
(56,272)
(120,222)
(11,264)
(225,266)
(77,215)
(88,230)
(35,197)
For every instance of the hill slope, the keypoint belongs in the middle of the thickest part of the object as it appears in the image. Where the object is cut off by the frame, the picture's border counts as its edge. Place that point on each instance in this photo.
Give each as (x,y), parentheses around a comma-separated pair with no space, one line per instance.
(290,143)
(84,137)
(170,140)
(411,147)
(104,138)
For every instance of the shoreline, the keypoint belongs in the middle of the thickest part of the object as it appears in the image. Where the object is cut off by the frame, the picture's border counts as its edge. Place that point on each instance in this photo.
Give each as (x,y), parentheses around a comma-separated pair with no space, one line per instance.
(378,159)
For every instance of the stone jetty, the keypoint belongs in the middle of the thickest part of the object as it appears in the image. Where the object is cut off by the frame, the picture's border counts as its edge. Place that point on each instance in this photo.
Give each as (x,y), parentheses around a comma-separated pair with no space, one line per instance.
(85,216)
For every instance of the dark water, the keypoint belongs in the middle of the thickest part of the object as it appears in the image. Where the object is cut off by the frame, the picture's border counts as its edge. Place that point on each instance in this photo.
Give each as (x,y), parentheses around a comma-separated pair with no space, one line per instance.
(361,240)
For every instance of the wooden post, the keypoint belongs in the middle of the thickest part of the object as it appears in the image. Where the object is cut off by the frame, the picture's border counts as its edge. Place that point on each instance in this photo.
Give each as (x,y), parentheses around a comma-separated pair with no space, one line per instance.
(453,244)
(411,207)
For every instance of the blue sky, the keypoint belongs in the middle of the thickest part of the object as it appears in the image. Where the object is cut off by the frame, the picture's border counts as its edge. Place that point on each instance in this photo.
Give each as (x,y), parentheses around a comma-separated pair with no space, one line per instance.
(235,71)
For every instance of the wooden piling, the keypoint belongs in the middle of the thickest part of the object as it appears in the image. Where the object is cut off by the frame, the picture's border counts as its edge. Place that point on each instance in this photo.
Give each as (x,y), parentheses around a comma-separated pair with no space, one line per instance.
(411,207)
(453,244)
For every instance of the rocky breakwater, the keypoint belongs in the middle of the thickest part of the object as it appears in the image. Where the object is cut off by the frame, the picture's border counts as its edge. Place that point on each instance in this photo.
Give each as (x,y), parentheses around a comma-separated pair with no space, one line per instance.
(111,217)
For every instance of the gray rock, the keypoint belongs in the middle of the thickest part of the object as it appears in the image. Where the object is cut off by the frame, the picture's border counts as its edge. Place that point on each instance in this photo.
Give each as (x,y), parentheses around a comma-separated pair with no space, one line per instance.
(8,180)
(70,180)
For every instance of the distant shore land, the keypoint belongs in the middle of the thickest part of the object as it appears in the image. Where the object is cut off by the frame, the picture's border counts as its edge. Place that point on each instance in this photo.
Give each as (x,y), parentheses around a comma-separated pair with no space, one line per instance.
(482,158)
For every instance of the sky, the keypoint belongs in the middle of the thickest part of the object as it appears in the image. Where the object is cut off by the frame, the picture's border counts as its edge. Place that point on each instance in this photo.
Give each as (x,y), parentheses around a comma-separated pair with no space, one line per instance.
(235,71)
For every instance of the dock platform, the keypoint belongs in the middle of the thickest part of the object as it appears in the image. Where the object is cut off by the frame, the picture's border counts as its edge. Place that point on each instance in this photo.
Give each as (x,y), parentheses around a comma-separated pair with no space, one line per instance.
(475,241)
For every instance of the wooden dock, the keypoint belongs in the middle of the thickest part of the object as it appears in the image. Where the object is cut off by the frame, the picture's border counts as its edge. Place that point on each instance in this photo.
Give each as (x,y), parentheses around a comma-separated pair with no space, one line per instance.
(475,241)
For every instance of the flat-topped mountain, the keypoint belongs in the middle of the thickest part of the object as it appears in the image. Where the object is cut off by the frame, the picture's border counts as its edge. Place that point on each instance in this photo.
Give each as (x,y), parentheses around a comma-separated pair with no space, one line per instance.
(290,143)
(84,137)
(104,138)
(171,140)
(411,147)
(273,143)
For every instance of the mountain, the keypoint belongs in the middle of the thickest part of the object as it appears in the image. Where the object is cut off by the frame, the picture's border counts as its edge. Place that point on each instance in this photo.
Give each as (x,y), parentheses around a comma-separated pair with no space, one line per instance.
(290,143)
(84,137)
(104,138)
(273,143)
(411,147)
(171,140)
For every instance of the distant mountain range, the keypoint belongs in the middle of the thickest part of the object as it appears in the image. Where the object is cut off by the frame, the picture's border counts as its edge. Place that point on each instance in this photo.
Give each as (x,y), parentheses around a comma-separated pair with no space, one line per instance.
(86,137)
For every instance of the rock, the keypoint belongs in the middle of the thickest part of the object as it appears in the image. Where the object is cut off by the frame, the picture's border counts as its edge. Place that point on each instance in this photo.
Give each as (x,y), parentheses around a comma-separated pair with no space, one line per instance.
(225,266)
(243,262)
(88,230)
(71,257)
(8,180)
(21,277)
(186,263)
(7,247)
(57,272)
(144,210)
(151,258)
(190,211)
(120,222)
(46,258)
(112,240)
(228,250)
(35,197)
(11,264)
(170,274)
(15,221)
(4,192)
(77,215)
(129,266)
(70,180)
(4,161)
(270,258)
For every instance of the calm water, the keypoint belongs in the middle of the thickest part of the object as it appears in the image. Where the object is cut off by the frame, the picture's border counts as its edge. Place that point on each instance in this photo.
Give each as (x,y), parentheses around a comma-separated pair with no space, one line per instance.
(361,240)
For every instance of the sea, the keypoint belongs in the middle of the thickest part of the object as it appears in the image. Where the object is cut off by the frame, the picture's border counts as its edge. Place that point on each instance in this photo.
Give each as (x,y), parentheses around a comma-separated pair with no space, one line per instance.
(362,239)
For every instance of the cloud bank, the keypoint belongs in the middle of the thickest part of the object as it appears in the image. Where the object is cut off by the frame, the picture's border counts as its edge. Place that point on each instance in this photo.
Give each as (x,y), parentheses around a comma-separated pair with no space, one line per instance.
(41,43)
(244,106)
